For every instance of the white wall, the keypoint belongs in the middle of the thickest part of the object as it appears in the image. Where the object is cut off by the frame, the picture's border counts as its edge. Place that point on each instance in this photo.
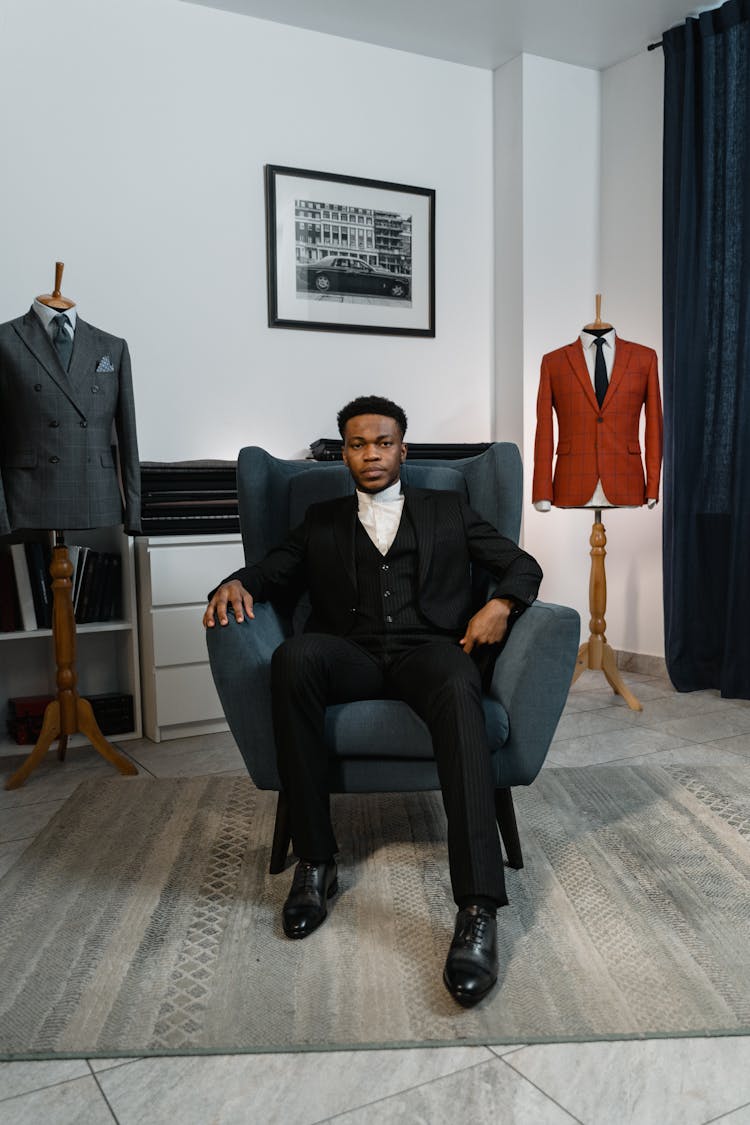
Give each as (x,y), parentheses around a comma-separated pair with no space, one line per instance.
(547,218)
(560,224)
(136,155)
(509,251)
(631,240)
(586,148)
(134,152)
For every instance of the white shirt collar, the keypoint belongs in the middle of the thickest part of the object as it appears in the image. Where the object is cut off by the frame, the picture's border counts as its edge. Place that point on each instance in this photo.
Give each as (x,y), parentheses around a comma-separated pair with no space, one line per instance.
(47,315)
(387,496)
(588,340)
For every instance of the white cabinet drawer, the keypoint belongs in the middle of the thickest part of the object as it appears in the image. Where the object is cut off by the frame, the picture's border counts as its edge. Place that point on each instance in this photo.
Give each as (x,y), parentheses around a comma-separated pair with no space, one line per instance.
(181,575)
(186,695)
(179,635)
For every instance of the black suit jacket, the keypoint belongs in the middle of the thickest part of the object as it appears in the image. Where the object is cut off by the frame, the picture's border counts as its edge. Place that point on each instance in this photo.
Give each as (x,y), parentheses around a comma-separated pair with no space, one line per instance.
(318,556)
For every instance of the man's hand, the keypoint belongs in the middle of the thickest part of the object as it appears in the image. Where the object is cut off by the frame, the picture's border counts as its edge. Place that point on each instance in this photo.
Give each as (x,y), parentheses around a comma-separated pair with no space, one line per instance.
(231,593)
(488,626)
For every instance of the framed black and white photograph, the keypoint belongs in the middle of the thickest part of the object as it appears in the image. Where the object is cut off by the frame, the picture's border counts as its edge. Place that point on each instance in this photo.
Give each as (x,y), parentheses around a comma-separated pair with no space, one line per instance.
(347,254)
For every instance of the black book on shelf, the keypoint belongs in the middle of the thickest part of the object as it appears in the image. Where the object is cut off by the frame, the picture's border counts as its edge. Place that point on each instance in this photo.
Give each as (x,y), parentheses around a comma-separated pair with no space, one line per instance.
(10,614)
(39,577)
(86,591)
(101,573)
(111,607)
(80,554)
(113,712)
(107,589)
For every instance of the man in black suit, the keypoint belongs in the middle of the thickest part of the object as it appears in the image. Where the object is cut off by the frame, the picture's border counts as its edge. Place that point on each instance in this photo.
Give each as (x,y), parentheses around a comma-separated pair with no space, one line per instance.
(389,579)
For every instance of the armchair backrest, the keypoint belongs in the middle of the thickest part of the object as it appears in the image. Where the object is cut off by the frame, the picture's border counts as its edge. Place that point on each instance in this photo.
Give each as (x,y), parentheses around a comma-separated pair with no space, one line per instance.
(274,494)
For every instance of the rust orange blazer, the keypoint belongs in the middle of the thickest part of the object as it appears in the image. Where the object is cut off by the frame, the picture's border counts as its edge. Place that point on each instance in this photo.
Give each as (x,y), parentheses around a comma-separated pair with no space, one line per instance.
(598,443)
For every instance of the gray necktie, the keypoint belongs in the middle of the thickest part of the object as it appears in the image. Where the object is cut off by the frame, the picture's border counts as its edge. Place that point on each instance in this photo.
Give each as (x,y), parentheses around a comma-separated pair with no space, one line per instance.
(61,339)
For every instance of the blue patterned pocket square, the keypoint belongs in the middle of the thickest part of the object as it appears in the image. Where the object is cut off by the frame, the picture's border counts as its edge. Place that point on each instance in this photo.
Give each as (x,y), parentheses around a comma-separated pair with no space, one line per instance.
(104,365)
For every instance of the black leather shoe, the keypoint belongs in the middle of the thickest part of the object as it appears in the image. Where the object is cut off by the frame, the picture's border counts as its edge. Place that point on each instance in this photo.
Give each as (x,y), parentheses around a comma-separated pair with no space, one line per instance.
(305,907)
(471,966)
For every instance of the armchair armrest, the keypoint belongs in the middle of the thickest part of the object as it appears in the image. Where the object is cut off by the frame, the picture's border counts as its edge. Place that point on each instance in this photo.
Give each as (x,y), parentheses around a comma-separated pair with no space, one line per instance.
(531,680)
(240,657)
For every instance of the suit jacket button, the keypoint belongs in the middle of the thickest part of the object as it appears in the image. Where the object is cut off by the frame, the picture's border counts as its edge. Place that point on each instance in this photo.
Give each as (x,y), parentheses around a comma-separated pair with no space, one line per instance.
(95,390)
(37,386)
(600,419)
(54,425)
(83,425)
(54,460)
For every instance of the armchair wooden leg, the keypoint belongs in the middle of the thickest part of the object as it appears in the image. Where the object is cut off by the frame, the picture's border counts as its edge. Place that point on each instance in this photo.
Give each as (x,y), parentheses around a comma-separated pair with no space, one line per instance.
(282,835)
(506,820)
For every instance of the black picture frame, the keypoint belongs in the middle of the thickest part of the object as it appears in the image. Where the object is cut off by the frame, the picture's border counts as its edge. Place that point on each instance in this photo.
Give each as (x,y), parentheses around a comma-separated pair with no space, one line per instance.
(349,254)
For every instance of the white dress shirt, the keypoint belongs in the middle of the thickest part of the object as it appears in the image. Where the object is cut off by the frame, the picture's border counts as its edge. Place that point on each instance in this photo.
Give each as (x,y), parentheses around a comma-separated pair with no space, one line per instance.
(47,315)
(380,514)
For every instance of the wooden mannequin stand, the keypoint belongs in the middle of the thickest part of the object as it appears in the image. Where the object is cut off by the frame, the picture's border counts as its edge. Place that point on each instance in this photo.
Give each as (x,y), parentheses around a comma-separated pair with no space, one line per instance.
(596,653)
(68,713)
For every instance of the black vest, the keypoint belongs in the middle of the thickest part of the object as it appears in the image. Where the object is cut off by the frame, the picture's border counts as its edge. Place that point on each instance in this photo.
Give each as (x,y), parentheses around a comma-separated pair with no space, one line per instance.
(387,614)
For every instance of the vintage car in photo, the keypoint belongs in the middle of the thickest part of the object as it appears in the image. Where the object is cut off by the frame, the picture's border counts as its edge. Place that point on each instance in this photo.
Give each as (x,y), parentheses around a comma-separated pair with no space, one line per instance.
(336,273)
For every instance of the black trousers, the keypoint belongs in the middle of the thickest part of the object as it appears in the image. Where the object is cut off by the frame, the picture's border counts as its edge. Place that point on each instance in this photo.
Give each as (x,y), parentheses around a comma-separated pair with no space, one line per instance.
(443,685)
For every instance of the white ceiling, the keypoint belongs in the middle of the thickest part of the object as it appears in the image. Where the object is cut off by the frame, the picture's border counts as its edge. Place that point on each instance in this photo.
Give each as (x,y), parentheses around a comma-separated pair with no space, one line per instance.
(483,33)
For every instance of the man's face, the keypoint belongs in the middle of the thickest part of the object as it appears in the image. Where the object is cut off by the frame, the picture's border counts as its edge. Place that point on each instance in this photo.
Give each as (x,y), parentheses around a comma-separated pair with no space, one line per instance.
(373,451)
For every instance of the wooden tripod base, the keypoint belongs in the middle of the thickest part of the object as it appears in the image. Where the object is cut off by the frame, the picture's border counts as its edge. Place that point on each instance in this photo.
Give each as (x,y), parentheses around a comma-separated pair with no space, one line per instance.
(52,728)
(607,664)
(595,653)
(67,714)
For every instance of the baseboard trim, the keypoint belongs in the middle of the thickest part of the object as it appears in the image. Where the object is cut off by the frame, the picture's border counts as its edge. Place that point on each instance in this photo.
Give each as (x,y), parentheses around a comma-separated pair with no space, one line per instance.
(640,662)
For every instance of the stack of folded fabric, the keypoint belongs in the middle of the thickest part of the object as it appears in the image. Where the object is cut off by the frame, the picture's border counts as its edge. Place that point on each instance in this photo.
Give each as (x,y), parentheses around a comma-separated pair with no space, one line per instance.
(329,449)
(189,497)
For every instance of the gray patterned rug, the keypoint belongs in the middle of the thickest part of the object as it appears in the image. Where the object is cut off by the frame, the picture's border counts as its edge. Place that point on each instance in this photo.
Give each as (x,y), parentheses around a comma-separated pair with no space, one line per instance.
(141,920)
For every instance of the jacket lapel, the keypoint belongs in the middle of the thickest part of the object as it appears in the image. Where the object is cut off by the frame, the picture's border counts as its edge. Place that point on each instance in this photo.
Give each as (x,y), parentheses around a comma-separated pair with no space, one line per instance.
(574,353)
(39,344)
(86,353)
(344,528)
(421,511)
(622,356)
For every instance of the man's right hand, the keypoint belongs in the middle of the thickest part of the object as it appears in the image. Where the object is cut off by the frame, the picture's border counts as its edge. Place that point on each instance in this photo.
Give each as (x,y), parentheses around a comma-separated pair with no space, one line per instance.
(231,594)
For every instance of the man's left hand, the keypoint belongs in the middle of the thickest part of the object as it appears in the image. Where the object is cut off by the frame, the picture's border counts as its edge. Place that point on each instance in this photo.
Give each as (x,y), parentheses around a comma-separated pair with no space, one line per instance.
(489,625)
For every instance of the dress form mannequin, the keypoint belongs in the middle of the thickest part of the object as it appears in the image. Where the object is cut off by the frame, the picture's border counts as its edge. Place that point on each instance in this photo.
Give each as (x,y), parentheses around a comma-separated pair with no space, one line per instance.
(599,461)
(68,713)
(55,299)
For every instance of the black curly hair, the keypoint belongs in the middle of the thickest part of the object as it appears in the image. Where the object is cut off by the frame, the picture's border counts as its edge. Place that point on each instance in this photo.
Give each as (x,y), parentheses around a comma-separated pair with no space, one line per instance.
(371,404)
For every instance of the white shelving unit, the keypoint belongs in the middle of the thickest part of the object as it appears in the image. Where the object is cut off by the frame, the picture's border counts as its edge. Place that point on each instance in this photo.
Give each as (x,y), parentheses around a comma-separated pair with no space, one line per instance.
(106,652)
(175,572)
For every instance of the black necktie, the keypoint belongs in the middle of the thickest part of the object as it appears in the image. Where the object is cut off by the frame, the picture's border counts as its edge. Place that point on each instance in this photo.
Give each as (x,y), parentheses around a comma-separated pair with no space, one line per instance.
(601,382)
(61,339)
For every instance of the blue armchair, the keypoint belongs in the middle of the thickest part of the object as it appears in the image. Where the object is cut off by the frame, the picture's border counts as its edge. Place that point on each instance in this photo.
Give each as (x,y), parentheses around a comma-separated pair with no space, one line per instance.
(381,745)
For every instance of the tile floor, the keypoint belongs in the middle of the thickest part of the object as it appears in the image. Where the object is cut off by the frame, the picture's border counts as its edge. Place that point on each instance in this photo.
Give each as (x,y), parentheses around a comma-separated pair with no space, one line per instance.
(651,1082)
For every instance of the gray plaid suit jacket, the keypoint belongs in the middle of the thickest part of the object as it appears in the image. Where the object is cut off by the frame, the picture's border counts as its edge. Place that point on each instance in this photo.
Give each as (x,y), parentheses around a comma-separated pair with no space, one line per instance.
(58,467)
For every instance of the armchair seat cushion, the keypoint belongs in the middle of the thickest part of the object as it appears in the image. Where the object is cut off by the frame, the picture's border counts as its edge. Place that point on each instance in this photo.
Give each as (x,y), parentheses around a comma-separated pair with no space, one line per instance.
(388,728)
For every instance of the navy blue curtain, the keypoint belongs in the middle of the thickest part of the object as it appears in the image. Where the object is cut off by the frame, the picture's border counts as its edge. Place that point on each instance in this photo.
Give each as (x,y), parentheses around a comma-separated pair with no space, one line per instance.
(706,273)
